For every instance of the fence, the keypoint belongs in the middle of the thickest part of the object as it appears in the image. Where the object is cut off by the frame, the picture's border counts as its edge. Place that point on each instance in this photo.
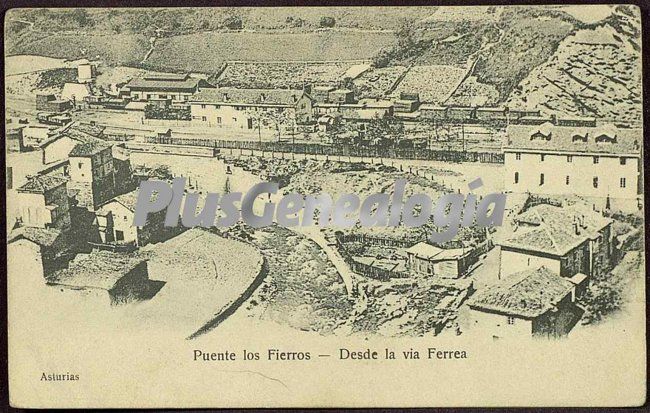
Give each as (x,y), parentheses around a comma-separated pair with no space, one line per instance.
(338,150)
(384,274)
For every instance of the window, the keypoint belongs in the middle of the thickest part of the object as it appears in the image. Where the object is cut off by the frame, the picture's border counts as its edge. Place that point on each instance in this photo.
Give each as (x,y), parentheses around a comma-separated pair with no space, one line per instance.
(234,120)
(80,165)
(511,320)
(542,157)
(518,156)
(202,106)
(541,179)
(569,158)
(516,177)
(567,179)
(622,182)
(218,119)
(204,118)
(623,161)
(596,159)
(595,182)
(119,235)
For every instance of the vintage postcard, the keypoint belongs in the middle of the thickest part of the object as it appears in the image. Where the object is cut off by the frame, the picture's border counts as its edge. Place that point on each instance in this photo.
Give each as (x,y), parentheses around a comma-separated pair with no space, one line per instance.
(325,207)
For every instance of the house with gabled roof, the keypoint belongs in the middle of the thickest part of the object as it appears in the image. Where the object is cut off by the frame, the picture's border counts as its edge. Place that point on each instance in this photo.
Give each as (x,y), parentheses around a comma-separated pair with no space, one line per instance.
(43,202)
(115,222)
(427,259)
(573,241)
(532,302)
(116,278)
(43,250)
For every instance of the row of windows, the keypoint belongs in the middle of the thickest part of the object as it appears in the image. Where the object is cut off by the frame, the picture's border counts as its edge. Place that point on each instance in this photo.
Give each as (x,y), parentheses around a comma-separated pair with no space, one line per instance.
(569,158)
(622,182)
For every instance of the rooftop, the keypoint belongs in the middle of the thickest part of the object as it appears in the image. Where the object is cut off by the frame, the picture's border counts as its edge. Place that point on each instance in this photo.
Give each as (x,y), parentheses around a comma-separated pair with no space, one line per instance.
(129,200)
(555,230)
(42,183)
(99,269)
(526,294)
(549,137)
(164,82)
(86,149)
(45,237)
(229,95)
(431,252)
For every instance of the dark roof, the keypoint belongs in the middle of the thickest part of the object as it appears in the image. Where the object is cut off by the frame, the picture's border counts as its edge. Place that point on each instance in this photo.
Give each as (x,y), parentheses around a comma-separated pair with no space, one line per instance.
(549,137)
(45,237)
(526,294)
(99,269)
(166,76)
(234,96)
(550,229)
(86,149)
(164,83)
(42,183)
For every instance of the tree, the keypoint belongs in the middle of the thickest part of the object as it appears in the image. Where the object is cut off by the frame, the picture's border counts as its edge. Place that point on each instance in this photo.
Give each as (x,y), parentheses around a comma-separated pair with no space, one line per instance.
(278,120)
(233,22)
(327,21)
(385,131)
(406,34)
(81,17)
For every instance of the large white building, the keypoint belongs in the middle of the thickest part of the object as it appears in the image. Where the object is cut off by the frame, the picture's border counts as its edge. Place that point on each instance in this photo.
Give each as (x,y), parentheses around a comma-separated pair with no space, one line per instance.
(244,108)
(594,162)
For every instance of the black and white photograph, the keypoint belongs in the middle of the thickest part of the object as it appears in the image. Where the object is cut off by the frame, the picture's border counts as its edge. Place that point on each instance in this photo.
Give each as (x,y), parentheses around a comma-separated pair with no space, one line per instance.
(325,206)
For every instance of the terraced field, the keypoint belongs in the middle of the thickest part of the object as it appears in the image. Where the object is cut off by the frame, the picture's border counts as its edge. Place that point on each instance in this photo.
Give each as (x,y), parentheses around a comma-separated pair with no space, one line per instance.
(206,52)
(281,75)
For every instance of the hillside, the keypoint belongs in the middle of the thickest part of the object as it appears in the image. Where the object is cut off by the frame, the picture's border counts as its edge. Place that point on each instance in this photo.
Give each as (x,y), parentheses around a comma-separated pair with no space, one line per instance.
(594,72)
(498,49)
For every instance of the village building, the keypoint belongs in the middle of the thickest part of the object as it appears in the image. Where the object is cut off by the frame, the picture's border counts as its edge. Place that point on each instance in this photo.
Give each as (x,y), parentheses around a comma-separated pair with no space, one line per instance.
(115,278)
(433,112)
(86,72)
(15,139)
(407,102)
(427,259)
(340,96)
(92,174)
(361,112)
(596,162)
(572,241)
(115,222)
(321,93)
(41,250)
(43,202)
(153,87)
(534,302)
(47,102)
(247,108)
